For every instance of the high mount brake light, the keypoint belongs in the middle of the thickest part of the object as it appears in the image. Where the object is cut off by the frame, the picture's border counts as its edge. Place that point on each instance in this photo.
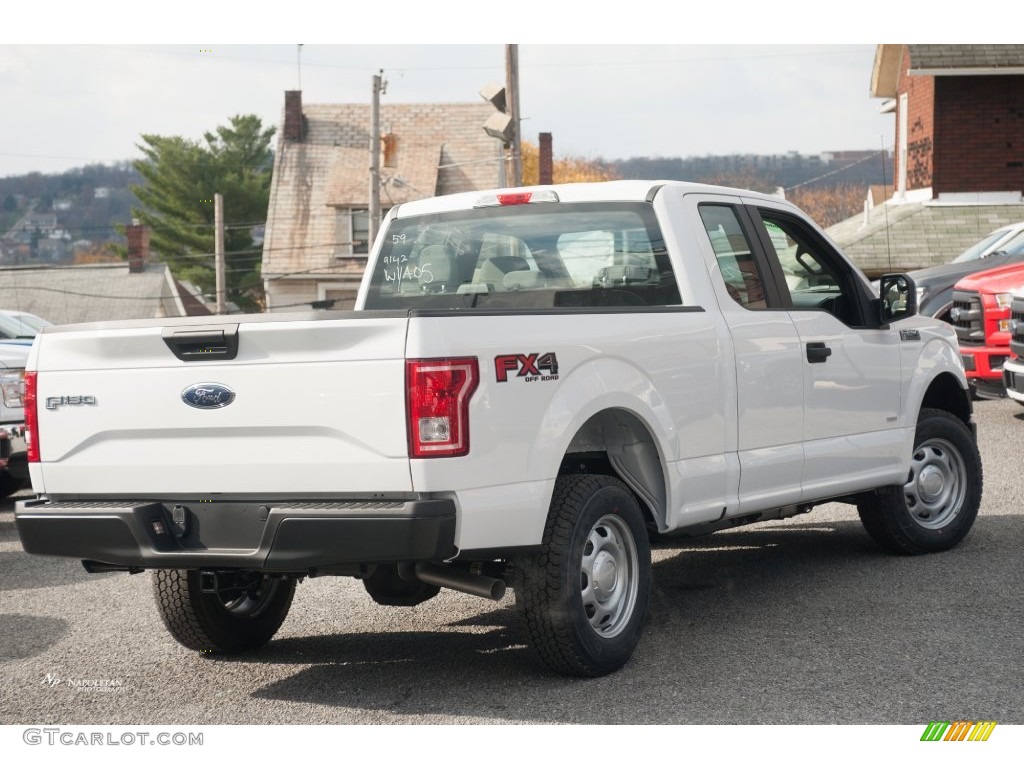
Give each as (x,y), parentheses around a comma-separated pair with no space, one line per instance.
(518,198)
(437,405)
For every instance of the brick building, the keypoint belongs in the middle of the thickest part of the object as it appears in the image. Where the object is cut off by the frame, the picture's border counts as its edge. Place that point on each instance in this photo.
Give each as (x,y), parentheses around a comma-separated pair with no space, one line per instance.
(315,246)
(959,153)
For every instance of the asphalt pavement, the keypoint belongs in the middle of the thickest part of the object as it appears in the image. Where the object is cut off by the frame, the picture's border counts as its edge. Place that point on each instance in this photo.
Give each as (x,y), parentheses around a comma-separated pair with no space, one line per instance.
(803,621)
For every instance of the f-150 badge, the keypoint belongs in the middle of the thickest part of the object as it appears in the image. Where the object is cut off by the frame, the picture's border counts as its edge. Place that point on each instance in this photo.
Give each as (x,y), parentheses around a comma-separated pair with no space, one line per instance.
(207,396)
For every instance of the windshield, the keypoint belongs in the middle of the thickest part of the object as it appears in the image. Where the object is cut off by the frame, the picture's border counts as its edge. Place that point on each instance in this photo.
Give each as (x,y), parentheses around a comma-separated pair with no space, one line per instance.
(20,326)
(1013,247)
(977,250)
(540,255)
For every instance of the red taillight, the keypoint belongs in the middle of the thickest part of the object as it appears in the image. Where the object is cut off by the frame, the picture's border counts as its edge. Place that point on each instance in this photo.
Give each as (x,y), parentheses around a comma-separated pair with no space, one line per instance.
(31,416)
(437,405)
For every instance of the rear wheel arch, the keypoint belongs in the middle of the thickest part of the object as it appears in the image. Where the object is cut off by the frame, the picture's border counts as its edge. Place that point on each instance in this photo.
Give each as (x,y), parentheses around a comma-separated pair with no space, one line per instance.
(619,443)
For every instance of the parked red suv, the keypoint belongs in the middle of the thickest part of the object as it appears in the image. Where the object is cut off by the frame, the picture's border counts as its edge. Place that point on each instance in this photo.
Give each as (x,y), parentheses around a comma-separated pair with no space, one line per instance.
(981,316)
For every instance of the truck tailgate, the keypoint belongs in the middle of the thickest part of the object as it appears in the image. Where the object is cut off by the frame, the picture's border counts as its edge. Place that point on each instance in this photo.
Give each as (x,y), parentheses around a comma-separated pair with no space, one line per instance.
(316,407)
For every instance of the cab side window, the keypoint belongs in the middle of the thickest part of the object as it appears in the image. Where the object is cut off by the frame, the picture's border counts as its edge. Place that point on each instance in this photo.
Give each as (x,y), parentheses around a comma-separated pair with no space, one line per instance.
(815,278)
(734,255)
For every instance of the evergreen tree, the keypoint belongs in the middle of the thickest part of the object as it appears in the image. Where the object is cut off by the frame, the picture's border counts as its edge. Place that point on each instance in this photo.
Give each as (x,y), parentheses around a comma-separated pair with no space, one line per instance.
(182,176)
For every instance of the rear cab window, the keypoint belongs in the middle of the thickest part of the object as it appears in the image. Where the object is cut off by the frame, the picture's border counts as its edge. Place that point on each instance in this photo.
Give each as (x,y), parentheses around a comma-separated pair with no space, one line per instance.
(533,256)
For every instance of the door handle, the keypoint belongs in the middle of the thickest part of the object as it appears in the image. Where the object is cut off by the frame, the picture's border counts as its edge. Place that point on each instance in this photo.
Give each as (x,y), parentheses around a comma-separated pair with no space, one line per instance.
(817,352)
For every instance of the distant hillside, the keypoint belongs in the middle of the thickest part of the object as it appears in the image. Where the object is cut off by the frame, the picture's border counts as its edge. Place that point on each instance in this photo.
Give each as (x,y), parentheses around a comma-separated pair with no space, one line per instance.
(787,171)
(60,218)
(50,218)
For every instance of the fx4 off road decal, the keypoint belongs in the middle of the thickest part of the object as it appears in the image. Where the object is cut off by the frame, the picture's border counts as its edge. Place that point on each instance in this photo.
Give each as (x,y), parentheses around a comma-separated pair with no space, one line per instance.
(527,367)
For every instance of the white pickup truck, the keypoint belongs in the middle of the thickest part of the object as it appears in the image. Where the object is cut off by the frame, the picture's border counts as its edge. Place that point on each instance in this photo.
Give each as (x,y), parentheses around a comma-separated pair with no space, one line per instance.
(533,383)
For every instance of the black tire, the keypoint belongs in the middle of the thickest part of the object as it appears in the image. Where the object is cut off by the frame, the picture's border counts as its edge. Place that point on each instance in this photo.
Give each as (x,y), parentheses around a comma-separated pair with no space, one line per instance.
(937,506)
(387,587)
(9,484)
(577,625)
(242,615)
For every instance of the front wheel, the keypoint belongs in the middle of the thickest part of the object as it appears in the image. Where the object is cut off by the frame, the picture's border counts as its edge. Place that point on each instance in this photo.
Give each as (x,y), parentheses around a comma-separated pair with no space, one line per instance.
(226,612)
(584,596)
(936,507)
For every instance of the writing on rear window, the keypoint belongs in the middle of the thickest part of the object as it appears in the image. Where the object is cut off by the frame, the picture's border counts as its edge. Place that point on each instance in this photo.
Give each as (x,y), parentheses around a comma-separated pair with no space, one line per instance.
(531,256)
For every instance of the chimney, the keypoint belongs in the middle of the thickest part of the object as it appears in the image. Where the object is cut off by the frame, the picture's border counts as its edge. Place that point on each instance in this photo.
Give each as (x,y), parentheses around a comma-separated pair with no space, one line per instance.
(138,246)
(294,122)
(546,171)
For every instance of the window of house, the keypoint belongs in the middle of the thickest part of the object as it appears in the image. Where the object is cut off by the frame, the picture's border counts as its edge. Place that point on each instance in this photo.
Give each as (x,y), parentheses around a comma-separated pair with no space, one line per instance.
(351,231)
(360,231)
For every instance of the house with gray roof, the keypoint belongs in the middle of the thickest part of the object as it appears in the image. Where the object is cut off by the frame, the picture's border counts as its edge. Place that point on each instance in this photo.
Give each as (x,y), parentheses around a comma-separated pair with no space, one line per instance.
(91,292)
(315,244)
(959,159)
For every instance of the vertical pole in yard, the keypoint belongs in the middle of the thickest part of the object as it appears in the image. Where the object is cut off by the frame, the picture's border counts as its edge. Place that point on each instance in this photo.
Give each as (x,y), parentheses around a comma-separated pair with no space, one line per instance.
(374,207)
(218,250)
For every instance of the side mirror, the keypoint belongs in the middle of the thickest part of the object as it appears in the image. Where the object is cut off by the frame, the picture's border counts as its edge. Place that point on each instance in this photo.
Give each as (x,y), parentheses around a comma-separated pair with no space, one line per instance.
(897,296)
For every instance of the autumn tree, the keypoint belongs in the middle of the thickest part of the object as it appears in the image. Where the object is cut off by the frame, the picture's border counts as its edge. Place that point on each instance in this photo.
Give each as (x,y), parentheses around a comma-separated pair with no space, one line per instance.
(181,178)
(741,180)
(829,205)
(565,170)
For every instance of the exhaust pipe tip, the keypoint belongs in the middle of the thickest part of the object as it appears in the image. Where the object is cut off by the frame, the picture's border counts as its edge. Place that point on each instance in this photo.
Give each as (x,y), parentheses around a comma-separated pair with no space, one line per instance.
(461,581)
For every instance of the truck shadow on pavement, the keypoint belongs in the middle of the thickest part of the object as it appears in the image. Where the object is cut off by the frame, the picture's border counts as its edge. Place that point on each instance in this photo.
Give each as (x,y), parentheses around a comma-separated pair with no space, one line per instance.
(8,530)
(793,623)
(22,571)
(20,635)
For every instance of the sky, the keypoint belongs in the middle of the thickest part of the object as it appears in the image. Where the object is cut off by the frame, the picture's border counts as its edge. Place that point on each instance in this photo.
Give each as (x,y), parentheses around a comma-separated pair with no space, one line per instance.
(606,81)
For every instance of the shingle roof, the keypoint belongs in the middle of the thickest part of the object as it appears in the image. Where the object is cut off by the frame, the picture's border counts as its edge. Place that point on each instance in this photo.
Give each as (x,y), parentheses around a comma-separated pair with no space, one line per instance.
(916,235)
(442,148)
(965,56)
(88,293)
(940,59)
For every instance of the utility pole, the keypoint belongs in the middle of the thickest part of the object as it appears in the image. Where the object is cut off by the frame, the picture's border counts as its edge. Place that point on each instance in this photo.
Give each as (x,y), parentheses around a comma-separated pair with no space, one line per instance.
(379,87)
(512,97)
(218,251)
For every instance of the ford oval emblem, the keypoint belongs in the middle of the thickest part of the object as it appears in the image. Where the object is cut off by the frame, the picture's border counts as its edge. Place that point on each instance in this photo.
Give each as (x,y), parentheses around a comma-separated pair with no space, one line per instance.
(207,396)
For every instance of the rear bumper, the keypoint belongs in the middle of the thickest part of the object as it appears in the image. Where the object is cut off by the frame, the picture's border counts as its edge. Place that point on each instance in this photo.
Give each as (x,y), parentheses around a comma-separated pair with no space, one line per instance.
(279,536)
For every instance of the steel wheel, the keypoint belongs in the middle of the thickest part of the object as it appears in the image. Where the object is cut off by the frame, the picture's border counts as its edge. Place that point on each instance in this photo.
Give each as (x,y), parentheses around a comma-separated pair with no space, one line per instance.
(238,612)
(937,505)
(936,487)
(584,595)
(609,576)
(248,594)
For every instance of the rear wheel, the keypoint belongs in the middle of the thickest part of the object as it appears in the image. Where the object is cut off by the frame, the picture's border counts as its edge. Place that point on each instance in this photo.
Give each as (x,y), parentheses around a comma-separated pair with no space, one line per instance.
(936,507)
(584,596)
(230,612)
(386,586)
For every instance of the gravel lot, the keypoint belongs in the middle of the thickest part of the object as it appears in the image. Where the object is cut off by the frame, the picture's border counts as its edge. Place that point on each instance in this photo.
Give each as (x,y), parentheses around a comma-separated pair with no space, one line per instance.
(803,621)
